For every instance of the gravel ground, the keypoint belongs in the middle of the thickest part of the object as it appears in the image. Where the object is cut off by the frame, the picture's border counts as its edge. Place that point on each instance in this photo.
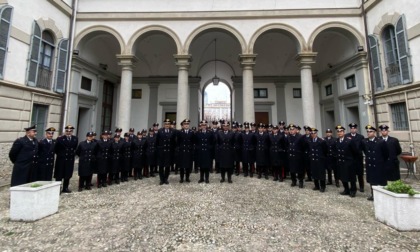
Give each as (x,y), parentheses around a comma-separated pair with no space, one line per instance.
(249,215)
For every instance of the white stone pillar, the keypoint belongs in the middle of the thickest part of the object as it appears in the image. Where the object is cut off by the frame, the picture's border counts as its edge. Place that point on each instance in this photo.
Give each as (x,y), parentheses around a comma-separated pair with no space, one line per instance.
(366,115)
(247,64)
(124,102)
(238,106)
(306,59)
(183,63)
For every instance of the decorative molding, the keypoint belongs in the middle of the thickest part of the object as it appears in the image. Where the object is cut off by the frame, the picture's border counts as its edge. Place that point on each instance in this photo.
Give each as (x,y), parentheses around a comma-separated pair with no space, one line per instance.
(20,35)
(386,19)
(270,79)
(50,25)
(62,6)
(30,89)
(166,103)
(397,90)
(413,32)
(264,103)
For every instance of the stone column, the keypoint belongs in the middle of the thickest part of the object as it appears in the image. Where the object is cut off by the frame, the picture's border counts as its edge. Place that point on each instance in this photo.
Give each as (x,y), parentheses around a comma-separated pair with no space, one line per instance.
(73,103)
(238,112)
(280,102)
(194,107)
(362,81)
(124,102)
(247,64)
(306,59)
(183,63)
(153,103)
(335,93)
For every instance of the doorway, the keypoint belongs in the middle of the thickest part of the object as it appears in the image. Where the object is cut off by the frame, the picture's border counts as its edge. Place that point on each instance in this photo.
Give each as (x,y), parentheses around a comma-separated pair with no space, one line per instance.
(83,124)
(261,117)
(353,115)
(217,102)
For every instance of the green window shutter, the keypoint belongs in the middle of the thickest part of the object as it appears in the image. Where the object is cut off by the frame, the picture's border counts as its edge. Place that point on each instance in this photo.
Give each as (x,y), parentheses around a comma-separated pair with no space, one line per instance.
(376,62)
(61,74)
(32,74)
(5,19)
(403,51)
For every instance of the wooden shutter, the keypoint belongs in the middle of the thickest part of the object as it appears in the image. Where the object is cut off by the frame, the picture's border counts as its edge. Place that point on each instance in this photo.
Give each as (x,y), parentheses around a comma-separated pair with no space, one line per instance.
(61,74)
(376,62)
(5,19)
(403,51)
(32,73)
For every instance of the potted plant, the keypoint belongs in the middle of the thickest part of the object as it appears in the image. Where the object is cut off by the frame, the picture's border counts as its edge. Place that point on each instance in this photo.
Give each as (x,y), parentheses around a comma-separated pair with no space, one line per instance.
(397,205)
(35,200)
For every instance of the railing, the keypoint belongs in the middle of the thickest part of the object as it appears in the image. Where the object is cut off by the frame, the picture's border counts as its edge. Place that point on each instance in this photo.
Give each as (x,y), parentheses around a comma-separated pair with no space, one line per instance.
(393,73)
(44,78)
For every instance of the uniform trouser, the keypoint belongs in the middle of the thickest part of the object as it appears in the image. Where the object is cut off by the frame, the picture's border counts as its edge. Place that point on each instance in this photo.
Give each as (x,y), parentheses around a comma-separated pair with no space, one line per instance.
(217,166)
(352,187)
(329,172)
(319,183)
(262,169)
(204,174)
(101,178)
(246,168)
(229,172)
(84,181)
(299,176)
(361,181)
(114,176)
(152,169)
(164,173)
(308,169)
(138,171)
(184,171)
(66,183)
(278,172)
(238,167)
(124,175)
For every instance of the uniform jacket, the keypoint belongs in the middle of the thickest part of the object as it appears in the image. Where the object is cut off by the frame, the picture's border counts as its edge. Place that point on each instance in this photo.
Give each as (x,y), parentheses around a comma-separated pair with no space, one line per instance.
(296,146)
(87,156)
(376,154)
(104,156)
(185,141)
(165,145)
(261,149)
(65,150)
(392,165)
(248,143)
(204,148)
(318,151)
(226,148)
(358,162)
(24,156)
(151,150)
(46,159)
(139,152)
(347,153)
(277,149)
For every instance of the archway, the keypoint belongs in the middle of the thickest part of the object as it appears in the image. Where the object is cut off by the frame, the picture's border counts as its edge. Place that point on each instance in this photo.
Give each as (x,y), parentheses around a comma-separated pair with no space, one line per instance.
(217,102)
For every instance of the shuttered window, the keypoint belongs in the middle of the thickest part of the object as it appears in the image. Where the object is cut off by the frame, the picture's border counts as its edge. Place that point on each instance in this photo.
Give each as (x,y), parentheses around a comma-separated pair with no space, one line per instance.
(403,52)
(5,19)
(61,74)
(399,116)
(376,63)
(32,75)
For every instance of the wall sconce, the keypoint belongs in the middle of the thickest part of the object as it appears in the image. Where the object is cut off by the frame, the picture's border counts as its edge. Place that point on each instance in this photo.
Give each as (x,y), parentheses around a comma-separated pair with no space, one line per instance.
(216,79)
(103,66)
(360,49)
(75,52)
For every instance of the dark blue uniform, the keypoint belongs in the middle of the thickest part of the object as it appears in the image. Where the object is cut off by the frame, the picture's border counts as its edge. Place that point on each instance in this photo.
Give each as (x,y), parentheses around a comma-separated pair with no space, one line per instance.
(358,162)
(204,148)
(318,151)
(24,156)
(165,140)
(126,159)
(248,142)
(347,153)
(104,160)
(226,148)
(151,153)
(332,161)
(376,155)
(65,148)
(296,146)
(392,165)
(86,150)
(185,140)
(261,154)
(139,156)
(117,160)
(238,152)
(46,159)
(277,149)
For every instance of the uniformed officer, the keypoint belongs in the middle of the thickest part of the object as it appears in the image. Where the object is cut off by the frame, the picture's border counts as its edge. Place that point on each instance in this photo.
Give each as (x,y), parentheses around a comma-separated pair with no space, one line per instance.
(46,156)
(376,155)
(205,144)
(165,139)
(215,156)
(65,148)
(24,156)
(261,151)
(86,150)
(126,157)
(226,141)
(185,140)
(117,161)
(318,151)
(347,152)
(238,149)
(331,158)
(151,152)
(358,162)
(156,127)
(104,159)
(277,145)
(296,146)
(248,142)
(118,131)
(392,165)
(139,154)
(307,160)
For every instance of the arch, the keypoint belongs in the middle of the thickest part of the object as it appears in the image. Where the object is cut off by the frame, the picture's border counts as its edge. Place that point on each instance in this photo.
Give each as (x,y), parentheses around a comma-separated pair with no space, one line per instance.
(386,19)
(221,26)
(357,35)
(151,28)
(202,91)
(296,34)
(49,24)
(102,28)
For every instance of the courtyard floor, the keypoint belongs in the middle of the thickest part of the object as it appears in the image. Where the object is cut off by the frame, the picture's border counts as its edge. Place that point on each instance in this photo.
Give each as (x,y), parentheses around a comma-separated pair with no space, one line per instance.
(249,215)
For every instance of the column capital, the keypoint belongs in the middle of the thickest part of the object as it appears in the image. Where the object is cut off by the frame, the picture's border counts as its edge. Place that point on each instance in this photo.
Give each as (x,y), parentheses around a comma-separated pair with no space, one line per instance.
(126,61)
(247,60)
(183,61)
(193,84)
(306,59)
(279,84)
(154,84)
(363,62)
(237,85)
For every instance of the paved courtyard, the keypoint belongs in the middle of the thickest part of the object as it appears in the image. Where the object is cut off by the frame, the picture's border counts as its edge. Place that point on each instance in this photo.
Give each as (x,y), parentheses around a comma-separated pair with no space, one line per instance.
(249,215)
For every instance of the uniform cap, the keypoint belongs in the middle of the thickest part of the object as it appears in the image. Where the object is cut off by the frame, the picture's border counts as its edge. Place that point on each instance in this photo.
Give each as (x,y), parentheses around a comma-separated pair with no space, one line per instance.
(126,134)
(383,127)
(353,125)
(370,127)
(50,129)
(116,136)
(328,131)
(185,121)
(157,124)
(69,127)
(118,130)
(282,123)
(203,122)
(167,121)
(89,134)
(131,130)
(33,127)
(339,128)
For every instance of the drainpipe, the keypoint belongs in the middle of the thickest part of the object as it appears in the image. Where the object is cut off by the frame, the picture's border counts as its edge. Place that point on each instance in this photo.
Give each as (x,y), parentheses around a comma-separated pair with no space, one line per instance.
(65,109)
(410,132)
(372,86)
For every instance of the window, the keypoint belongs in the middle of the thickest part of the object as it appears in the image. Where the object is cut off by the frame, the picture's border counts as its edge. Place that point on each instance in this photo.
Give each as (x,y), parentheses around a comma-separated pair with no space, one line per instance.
(61,74)
(399,116)
(39,116)
(297,93)
(376,63)
(5,18)
(328,90)
(86,84)
(398,67)
(260,93)
(350,82)
(107,104)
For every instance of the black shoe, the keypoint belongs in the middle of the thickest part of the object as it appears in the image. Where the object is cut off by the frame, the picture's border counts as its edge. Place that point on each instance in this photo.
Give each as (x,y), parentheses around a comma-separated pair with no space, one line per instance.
(345,192)
(281,180)
(188,180)
(88,188)
(196,171)
(230,181)
(246,175)
(222,180)
(104,185)
(337,184)
(322,190)
(80,189)
(176,172)
(237,174)
(362,189)
(100,185)
(207,181)
(181,181)
(293,184)
(117,181)
(135,178)
(300,184)
(259,176)
(201,181)
(370,198)
(161,183)
(352,194)
(140,177)
(315,188)
(275,179)
(66,191)
(266,176)
(252,175)
(166,182)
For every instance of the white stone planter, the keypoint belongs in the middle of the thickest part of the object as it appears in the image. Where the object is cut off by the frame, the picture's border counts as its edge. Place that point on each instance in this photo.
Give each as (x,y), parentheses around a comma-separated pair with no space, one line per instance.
(33,203)
(399,211)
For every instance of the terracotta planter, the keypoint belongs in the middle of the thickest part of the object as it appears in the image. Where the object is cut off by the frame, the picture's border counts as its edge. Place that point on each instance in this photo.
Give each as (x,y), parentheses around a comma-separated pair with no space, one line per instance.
(28,203)
(399,211)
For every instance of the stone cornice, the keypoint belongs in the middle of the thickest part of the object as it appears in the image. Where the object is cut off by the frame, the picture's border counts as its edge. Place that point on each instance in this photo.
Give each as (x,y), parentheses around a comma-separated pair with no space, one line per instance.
(83,64)
(62,6)
(269,79)
(30,89)
(398,89)
(214,15)
(163,79)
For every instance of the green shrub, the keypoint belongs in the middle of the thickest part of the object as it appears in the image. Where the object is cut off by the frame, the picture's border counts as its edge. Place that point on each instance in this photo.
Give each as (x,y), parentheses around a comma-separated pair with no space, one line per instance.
(400,187)
(35,185)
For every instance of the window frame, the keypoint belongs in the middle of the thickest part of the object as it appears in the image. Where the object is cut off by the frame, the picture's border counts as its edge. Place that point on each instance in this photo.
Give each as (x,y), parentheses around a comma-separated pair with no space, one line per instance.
(5,49)
(297,93)
(350,77)
(399,116)
(259,92)
(328,90)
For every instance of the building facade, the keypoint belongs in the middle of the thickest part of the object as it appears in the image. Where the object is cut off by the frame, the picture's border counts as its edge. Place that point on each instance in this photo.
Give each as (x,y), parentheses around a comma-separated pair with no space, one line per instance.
(103,64)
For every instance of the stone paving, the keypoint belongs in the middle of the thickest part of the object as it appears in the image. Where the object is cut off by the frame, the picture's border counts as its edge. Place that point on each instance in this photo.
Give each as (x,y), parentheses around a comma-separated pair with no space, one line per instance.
(249,215)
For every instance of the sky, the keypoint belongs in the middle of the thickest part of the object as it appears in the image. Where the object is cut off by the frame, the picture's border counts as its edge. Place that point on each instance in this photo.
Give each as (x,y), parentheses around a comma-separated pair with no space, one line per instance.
(217,93)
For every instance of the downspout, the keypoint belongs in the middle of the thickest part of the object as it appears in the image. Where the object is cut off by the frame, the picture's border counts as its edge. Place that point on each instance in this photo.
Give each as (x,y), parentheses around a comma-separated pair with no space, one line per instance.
(372,87)
(75,4)
(410,132)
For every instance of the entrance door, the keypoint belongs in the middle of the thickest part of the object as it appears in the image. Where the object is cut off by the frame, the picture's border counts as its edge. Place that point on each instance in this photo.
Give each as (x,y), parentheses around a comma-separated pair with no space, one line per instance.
(261,117)
(83,124)
(171,116)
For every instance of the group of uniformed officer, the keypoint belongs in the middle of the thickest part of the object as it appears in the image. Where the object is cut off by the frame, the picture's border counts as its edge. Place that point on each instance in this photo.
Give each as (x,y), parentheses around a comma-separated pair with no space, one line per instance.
(275,150)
